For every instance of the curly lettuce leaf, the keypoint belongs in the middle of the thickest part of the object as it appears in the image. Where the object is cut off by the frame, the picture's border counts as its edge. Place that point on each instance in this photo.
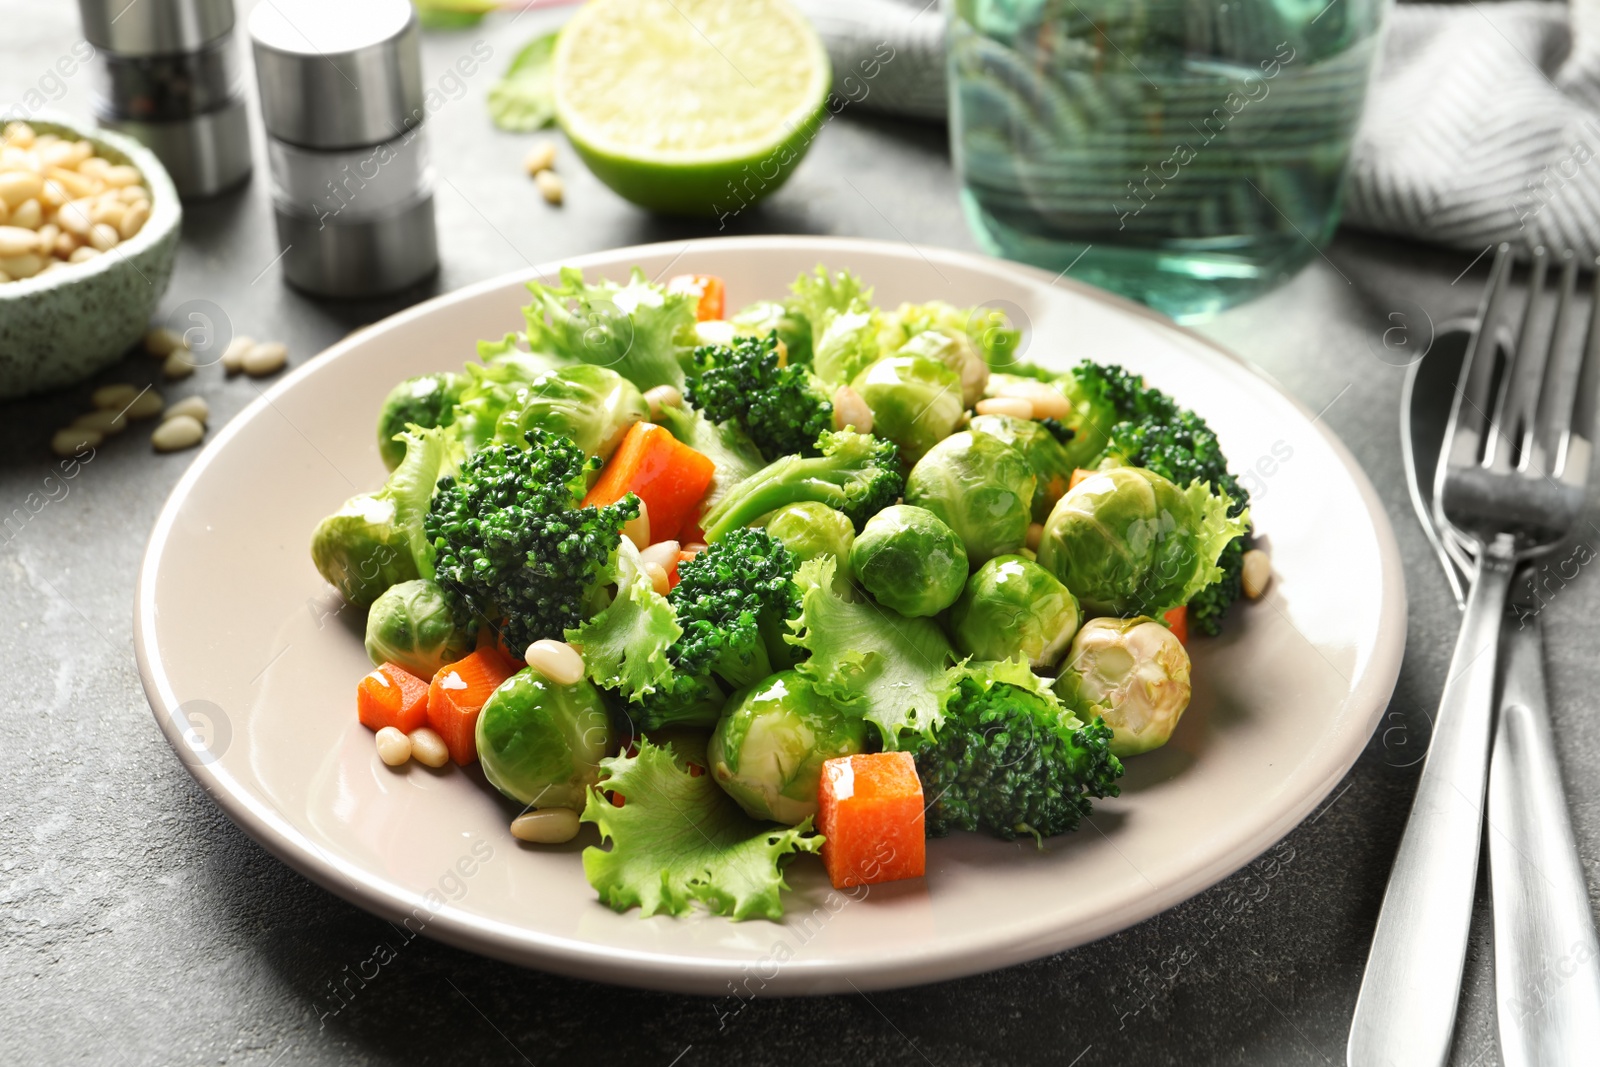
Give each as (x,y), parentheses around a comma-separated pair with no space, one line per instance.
(430,454)
(625,644)
(679,839)
(845,345)
(817,295)
(639,330)
(987,327)
(524,98)
(1214,528)
(887,668)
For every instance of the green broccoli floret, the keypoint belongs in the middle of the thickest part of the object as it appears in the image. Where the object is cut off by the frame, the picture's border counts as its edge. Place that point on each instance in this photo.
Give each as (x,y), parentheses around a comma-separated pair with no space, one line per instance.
(1008,760)
(857,474)
(734,601)
(512,543)
(1154,432)
(682,700)
(782,408)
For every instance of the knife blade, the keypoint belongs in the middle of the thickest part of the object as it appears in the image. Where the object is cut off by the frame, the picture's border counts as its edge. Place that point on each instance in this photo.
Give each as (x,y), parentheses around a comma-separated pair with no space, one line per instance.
(1547,960)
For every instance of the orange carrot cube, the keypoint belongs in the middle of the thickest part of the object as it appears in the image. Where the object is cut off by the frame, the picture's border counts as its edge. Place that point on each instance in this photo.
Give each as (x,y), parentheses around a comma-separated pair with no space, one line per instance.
(392,696)
(870,811)
(668,475)
(458,694)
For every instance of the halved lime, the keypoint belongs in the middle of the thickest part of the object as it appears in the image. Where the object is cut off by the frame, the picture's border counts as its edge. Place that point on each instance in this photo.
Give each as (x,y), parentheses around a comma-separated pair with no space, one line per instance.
(690,107)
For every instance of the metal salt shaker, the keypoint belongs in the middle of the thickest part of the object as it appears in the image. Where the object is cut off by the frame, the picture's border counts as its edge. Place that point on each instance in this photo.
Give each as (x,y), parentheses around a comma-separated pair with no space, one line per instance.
(352,184)
(169,77)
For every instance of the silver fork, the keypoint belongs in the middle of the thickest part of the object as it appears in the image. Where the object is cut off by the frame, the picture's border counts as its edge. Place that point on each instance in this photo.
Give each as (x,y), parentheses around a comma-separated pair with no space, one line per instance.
(1510,487)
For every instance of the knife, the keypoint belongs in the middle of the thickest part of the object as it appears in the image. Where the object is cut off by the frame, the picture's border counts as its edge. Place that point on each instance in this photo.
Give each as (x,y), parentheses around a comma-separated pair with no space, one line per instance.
(1547,961)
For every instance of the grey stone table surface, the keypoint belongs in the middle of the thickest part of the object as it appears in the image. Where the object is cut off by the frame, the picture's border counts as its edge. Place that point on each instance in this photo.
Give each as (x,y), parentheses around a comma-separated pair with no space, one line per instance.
(138,925)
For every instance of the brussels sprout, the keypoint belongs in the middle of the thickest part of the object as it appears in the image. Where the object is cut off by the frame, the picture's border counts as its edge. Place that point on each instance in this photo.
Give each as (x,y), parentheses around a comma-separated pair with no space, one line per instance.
(764,316)
(810,529)
(915,401)
(426,401)
(981,488)
(1134,674)
(910,561)
(592,405)
(1128,542)
(1010,607)
(412,625)
(768,749)
(376,539)
(1052,467)
(956,351)
(362,549)
(540,743)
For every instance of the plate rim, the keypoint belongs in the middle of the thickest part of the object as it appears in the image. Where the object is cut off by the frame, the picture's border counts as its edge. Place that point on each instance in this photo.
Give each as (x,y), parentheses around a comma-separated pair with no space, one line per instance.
(270,828)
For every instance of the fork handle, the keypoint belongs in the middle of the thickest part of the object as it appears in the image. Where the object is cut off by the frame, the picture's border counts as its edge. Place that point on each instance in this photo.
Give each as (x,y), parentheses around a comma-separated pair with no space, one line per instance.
(1547,974)
(1406,1011)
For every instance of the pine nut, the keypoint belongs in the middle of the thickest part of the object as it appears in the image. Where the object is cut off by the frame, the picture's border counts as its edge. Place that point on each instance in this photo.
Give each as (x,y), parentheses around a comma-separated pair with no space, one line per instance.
(109,214)
(81,255)
(95,167)
(264,359)
(1256,573)
(146,405)
(72,440)
(175,434)
(658,578)
(638,530)
(19,186)
(17,241)
(663,554)
(74,217)
(76,184)
(192,406)
(394,747)
(850,411)
(556,660)
(19,134)
(662,396)
(29,214)
(104,237)
(540,157)
(104,421)
(177,366)
(547,826)
(1034,535)
(22,266)
(162,342)
(428,748)
(233,355)
(133,219)
(116,396)
(122,175)
(64,244)
(1014,406)
(550,186)
(132,194)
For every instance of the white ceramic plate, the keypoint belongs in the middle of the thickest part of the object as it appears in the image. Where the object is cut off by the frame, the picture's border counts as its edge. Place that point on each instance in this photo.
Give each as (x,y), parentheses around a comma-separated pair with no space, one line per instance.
(251,666)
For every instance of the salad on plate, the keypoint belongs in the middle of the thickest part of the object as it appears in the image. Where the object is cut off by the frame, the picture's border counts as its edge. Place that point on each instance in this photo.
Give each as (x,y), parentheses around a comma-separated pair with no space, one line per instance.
(816,576)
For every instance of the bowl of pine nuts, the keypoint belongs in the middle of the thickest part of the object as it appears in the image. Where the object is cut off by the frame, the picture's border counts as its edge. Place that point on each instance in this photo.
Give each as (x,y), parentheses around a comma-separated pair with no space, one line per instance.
(88,233)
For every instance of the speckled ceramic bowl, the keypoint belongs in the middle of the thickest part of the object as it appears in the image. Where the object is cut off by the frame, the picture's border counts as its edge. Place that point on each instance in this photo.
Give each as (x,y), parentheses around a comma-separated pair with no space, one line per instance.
(62,326)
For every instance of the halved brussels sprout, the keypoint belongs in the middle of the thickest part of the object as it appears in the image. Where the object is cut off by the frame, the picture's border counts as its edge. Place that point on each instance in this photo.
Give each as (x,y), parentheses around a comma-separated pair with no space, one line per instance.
(810,529)
(1013,607)
(981,488)
(1128,542)
(1134,674)
(592,405)
(956,351)
(426,401)
(915,401)
(910,561)
(1052,467)
(540,743)
(767,751)
(412,625)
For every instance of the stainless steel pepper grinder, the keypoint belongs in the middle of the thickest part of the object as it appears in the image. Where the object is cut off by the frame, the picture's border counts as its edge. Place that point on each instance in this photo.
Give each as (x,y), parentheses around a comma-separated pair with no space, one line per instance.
(169,77)
(352,183)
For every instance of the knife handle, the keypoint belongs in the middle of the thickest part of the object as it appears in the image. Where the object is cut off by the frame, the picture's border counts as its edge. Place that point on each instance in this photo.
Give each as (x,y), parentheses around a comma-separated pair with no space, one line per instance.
(1405,1013)
(1547,962)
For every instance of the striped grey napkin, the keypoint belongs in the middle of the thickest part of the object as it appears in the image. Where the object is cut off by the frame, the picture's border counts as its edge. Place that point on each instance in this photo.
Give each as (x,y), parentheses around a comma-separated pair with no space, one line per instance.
(1481,125)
